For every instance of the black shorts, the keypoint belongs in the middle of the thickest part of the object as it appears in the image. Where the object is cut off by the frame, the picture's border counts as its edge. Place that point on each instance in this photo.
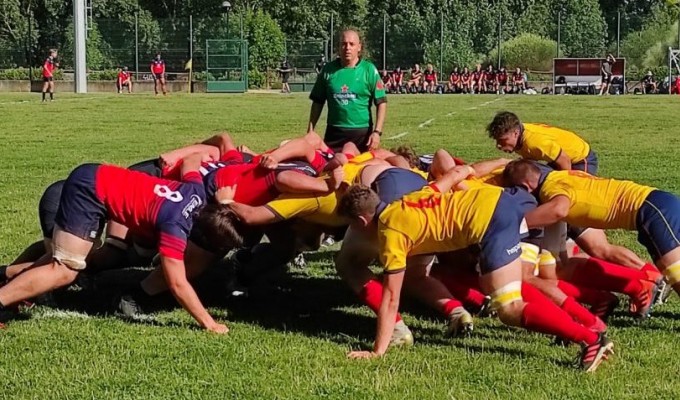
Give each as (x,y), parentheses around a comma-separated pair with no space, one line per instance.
(157,76)
(47,79)
(149,167)
(606,78)
(336,137)
(48,206)
(285,77)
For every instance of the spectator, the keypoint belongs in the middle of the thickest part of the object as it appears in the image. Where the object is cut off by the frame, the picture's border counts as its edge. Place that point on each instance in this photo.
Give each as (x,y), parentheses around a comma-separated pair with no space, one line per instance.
(466,81)
(478,80)
(285,70)
(606,74)
(429,79)
(386,79)
(414,80)
(124,79)
(350,85)
(454,81)
(491,79)
(397,80)
(158,72)
(518,84)
(319,64)
(502,78)
(649,84)
(49,66)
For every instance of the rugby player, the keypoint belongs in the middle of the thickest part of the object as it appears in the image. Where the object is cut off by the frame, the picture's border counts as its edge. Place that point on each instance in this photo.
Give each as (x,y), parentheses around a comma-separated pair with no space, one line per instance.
(157,68)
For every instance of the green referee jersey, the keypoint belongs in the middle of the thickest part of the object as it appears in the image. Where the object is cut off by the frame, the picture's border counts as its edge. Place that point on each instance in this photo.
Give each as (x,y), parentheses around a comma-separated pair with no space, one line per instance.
(349,92)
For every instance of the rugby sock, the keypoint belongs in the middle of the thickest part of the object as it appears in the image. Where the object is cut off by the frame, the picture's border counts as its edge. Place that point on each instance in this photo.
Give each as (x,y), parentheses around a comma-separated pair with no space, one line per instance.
(371,294)
(43,96)
(578,312)
(451,305)
(3,273)
(545,317)
(461,285)
(51,96)
(584,294)
(600,274)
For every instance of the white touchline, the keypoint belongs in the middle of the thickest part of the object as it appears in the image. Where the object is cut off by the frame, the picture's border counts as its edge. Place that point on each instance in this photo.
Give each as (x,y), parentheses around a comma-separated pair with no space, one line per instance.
(397,136)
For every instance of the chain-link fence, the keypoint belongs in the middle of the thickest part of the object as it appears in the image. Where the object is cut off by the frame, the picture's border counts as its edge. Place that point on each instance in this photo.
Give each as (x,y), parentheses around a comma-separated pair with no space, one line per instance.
(445,38)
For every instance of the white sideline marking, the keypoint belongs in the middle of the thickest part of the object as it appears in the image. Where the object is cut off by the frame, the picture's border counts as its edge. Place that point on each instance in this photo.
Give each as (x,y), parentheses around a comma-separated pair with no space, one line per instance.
(397,136)
(61,314)
(424,124)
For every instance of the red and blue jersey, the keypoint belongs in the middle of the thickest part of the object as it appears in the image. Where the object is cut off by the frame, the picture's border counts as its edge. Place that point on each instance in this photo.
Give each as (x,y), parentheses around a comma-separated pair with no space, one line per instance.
(152,208)
(158,66)
(48,67)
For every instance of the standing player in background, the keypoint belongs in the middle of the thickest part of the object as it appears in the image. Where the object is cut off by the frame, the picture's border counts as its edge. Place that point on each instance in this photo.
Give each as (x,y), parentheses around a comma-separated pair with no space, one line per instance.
(606,74)
(49,66)
(158,72)
(349,84)
(124,79)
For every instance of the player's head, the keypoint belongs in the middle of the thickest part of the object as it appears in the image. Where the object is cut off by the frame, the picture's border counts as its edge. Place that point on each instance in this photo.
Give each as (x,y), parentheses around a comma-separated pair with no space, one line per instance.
(518,70)
(408,153)
(158,56)
(490,68)
(416,67)
(465,70)
(505,130)
(349,46)
(522,173)
(218,228)
(125,69)
(359,204)
(53,53)
(429,67)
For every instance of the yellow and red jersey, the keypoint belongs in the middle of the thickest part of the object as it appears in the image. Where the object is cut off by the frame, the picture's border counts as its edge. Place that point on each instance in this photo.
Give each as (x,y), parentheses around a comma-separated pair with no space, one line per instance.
(596,202)
(542,142)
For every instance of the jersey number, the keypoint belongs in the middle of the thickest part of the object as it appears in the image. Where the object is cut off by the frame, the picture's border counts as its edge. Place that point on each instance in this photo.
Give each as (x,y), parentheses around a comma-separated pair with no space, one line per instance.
(167,193)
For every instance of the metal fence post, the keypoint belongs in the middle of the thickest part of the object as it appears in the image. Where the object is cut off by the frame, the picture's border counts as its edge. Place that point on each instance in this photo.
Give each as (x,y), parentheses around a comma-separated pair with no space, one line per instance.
(384,43)
(618,33)
(559,27)
(441,43)
(136,46)
(500,36)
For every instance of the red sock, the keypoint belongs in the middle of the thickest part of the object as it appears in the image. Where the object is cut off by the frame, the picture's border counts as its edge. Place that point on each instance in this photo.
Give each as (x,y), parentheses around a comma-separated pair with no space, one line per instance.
(450,306)
(584,294)
(371,295)
(600,274)
(546,317)
(578,312)
(462,285)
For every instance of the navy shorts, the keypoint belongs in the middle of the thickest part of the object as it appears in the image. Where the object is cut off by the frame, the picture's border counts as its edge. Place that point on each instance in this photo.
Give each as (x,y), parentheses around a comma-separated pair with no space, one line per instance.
(157,76)
(80,211)
(394,183)
(658,223)
(589,164)
(500,244)
(48,207)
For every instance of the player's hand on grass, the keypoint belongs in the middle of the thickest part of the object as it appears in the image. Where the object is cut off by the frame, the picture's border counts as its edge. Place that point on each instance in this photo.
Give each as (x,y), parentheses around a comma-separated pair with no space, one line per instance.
(217,328)
(362,355)
(225,195)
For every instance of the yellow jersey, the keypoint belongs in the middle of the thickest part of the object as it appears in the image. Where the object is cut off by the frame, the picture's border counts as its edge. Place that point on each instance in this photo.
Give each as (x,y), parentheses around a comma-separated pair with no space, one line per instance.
(596,202)
(319,210)
(545,143)
(427,221)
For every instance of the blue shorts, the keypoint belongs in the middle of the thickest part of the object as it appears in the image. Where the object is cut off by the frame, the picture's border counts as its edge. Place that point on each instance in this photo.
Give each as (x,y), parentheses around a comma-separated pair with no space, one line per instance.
(394,183)
(658,223)
(589,164)
(500,244)
(48,207)
(80,212)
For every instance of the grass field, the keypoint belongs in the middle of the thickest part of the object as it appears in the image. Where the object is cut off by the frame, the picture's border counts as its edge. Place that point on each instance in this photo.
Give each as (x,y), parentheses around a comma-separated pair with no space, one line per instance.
(289,339)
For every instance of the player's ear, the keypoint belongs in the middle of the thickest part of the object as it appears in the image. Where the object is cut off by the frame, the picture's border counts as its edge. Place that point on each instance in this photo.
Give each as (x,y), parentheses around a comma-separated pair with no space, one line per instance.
(364,220)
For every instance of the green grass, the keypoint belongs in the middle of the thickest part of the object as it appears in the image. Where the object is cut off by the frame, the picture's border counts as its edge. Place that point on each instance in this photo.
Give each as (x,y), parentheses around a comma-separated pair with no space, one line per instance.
(290,341)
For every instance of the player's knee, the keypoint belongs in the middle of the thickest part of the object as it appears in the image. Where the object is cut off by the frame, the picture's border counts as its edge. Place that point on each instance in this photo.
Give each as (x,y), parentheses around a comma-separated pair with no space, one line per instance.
(672,273)
(508,303)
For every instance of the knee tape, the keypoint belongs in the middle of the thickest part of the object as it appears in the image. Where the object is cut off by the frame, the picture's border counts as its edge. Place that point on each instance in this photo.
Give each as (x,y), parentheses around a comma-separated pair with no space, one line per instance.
(507,294)
(672,273)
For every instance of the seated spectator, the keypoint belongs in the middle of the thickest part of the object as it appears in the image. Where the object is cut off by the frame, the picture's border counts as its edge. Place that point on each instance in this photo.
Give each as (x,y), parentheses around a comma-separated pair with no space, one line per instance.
(124,79)
(491,79)
(397,80)
(386,79)
(414,80)
(649,84)
(518,83)
(429,79)
(454,85)
(478,80)
(502,79)
(466,81)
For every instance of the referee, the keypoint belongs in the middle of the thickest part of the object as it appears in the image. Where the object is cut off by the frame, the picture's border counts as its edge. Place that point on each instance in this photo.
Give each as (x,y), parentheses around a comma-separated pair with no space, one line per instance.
(349,84)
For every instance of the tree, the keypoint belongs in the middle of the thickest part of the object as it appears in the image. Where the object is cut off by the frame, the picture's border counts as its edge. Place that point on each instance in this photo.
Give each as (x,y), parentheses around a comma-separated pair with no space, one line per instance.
(96,49)
(266,43)
(583,28)
(528,51)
